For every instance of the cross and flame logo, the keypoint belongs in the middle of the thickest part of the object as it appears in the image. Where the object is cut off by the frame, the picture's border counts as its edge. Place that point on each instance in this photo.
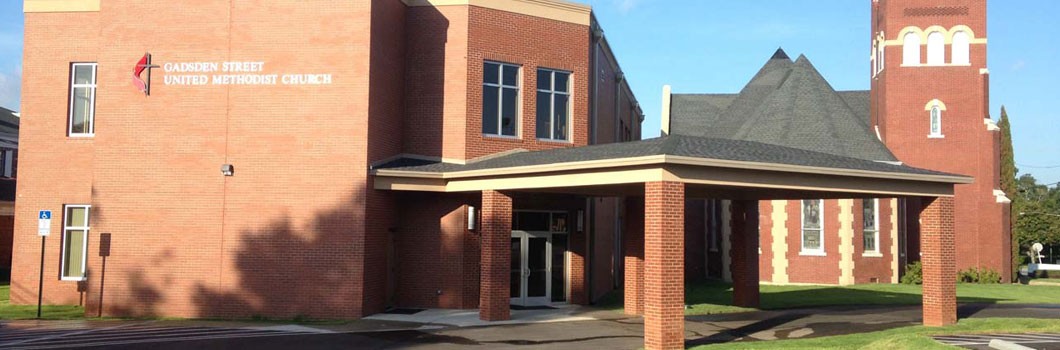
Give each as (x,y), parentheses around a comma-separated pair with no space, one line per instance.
(139,81)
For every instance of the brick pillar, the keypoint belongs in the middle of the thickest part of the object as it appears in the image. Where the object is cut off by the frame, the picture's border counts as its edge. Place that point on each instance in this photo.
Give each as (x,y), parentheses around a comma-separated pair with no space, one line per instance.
(939,261)
(744,253)
(496,231)
(664,270)
(633,253)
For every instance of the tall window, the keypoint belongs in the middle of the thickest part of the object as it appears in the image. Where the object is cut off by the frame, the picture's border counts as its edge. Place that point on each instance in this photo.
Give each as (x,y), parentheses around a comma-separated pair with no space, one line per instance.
(960,48)
(936,49)
(82,99)
(812,227)
(911,49)
(75,242)
(870,227)
(936,121)
(553,104)
(500,99)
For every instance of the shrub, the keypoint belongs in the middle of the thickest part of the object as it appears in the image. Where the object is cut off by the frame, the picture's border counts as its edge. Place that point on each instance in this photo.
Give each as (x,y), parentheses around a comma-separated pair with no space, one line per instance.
(980,276)
(913,274)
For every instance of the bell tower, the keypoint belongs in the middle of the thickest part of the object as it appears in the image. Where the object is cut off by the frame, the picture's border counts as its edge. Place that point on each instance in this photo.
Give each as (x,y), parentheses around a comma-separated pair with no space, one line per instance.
(930,106)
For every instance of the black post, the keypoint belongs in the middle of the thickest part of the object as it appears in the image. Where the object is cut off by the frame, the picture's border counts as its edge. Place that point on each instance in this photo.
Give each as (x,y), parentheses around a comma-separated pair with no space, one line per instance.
(104,251)
(40,286)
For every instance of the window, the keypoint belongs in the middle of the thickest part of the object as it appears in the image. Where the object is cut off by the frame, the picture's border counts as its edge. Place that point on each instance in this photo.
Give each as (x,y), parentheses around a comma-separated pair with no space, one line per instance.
(960,48)
(812,227)
(75,242)
(7,162)
(553,104)
(936,121)
(936,49)
(911,49)
(82,99)
(500,99)
(870,227)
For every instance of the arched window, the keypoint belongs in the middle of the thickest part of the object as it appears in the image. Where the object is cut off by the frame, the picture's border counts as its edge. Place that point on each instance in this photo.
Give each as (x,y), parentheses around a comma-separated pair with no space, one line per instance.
(936,121)
(911,49)
(936,49)
(960,48)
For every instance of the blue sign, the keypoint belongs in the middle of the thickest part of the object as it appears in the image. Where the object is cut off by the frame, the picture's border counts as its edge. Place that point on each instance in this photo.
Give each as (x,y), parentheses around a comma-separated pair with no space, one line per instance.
(44,215)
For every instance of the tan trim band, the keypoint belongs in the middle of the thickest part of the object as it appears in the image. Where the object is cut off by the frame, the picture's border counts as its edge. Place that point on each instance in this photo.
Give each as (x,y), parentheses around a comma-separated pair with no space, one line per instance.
(551,9)
(30,6)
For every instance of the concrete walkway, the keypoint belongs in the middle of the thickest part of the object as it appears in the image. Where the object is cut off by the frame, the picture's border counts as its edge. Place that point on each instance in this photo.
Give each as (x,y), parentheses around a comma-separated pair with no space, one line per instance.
(565,328)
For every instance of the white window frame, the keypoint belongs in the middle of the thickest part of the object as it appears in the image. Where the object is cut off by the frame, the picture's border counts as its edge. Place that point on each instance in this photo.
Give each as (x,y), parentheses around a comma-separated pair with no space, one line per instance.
(84,242)
(936,49)
(961,47)
(911,49)
(91,118)
(500,98)
(875,229)
(552,92)
(935,113)
(802,228)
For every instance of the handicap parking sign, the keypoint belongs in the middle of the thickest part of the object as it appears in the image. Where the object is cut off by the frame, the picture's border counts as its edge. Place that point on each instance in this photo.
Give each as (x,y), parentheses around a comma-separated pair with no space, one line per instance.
(44,223)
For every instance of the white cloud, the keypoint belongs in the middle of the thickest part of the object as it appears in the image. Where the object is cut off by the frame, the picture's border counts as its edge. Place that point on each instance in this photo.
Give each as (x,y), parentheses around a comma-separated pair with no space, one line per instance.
(624,6)
(1018,65)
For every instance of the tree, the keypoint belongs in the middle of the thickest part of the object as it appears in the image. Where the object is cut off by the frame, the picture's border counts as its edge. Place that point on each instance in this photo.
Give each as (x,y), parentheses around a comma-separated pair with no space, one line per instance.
(1037,211)
(1008,182)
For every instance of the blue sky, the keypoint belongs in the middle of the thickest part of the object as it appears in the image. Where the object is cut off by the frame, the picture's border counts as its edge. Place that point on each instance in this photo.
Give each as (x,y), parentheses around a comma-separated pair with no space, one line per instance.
(717,45)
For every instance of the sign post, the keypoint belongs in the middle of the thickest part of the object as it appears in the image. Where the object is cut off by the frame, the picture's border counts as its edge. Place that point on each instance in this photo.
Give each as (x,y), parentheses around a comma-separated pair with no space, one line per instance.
(44,227)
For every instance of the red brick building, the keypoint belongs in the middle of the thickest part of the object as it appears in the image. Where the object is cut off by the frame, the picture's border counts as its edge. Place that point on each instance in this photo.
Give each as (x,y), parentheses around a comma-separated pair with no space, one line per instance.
(331,159)
(927,107)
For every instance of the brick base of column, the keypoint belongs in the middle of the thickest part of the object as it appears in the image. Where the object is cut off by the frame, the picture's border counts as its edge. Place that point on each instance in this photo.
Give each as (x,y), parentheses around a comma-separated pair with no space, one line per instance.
(744,253)
(664,268)
(937,247)
(496,231)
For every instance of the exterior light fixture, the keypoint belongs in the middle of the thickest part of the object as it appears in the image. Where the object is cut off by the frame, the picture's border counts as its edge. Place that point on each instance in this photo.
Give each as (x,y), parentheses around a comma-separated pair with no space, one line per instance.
(471,218)
(227,170)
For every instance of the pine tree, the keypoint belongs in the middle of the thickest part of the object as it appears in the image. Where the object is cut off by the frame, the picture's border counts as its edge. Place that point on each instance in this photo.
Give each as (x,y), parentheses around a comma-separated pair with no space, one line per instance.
(1009,185)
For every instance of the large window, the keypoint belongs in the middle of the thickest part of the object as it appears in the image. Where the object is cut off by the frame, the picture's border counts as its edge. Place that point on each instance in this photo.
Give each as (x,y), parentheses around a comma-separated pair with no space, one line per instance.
(936,49)
(553,104)
(812,227)
(500,99)
(960,48)
(75,242)
(870,227)
(82,99)
(911,49)
(936,121)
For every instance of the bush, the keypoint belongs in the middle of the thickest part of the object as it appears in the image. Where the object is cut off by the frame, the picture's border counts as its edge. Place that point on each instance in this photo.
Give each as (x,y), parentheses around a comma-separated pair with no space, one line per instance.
(913,274)
(980,276)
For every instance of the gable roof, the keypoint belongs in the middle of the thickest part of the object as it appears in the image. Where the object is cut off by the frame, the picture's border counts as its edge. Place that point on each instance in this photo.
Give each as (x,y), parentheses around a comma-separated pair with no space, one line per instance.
(787,103)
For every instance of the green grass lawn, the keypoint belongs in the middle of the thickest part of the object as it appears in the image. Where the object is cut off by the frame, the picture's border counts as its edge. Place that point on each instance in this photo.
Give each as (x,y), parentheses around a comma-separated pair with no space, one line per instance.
(50,312)
(716,297)
(915,337)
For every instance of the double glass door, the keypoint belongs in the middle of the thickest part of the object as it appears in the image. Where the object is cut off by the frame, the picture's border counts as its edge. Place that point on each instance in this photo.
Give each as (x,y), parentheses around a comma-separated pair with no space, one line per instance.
(538,268)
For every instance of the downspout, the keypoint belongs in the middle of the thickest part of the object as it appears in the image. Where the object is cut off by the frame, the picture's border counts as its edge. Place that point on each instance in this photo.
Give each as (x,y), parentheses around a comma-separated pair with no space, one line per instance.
(594,88)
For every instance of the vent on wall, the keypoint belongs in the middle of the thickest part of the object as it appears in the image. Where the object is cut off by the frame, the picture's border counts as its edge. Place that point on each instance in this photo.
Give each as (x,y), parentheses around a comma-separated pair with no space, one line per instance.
(936,11)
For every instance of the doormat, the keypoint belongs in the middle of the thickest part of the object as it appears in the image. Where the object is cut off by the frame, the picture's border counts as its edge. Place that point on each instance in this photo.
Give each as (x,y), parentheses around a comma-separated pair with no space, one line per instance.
(539,307)
(402,311)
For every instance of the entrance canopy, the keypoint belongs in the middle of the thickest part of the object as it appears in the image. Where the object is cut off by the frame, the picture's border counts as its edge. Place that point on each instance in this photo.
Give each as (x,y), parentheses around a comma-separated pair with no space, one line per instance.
(713,168)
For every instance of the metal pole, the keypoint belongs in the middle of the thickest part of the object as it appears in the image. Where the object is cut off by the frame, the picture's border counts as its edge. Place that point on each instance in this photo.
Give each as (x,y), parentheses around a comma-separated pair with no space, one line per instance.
(40,286)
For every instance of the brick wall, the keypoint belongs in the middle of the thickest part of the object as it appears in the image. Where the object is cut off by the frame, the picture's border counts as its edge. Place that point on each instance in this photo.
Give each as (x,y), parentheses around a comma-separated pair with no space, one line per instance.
(812,268)
(530,42)
(664,295)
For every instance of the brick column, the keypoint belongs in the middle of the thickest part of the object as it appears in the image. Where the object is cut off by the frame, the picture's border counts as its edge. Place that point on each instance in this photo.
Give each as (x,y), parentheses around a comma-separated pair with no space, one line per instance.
(744,253)
(664,271)
(633,255)
(496,231)
(939,261)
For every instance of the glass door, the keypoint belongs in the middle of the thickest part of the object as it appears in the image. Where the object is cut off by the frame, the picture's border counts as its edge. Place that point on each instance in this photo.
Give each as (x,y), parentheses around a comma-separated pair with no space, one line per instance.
(531,280)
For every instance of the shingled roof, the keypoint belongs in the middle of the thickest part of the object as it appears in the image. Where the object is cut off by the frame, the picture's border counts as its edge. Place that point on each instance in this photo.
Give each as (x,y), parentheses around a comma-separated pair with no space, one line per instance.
(787,103)
(672,145)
